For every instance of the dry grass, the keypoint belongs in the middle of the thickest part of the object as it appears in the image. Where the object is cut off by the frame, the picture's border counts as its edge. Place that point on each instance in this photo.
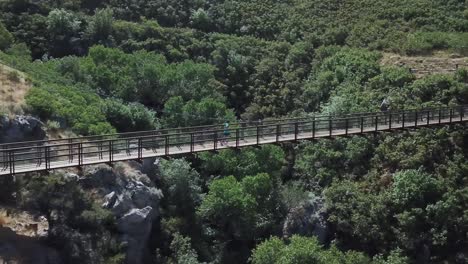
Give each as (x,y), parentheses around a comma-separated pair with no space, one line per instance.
(14,86)
(23,223)
(437,63)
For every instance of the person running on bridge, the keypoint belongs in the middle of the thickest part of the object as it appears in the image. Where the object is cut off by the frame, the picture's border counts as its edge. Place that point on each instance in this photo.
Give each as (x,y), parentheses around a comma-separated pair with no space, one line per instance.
(226,134)
(385,107)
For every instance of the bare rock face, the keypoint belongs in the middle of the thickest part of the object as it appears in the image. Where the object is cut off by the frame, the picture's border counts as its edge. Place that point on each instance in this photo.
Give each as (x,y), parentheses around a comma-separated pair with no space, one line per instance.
(21,128)
(133,199)
(308,219)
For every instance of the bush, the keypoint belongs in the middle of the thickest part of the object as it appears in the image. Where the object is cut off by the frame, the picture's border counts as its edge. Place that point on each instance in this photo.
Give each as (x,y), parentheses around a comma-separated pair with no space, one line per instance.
(415,46)
(129,117)
(52,125)
(14,76)
(6,39)
(79,109)
(303,250)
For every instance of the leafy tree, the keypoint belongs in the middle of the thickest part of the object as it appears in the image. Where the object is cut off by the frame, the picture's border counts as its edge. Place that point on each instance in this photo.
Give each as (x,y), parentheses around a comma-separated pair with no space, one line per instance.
(414,189)
(101,26)
(267,159)
(395,257)
(192,113)
(183,185)
(228,208)
(130,117)
(64,27)
(302,250)
(200,19)
(184,254)
(6,38)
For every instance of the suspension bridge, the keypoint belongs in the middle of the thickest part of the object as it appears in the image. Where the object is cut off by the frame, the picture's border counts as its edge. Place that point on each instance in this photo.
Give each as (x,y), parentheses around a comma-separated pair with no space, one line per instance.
(35,156)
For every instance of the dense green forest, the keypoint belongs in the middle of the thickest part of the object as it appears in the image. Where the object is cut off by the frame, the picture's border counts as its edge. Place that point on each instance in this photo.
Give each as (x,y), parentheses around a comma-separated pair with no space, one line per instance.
(110,66)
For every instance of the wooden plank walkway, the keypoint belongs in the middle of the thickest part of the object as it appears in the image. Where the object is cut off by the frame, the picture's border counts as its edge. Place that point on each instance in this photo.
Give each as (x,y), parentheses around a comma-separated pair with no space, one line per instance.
(43,157)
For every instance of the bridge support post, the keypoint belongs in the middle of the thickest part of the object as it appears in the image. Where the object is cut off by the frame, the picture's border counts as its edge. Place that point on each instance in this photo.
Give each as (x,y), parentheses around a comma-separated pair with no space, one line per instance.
(258,135)
(140,149)
(296,130)
(346,126)
(389,120)
(237,137)
(461,113)
(111,150)
(416,119)
(313,128)
(5,157)
(215,140)
(70,150)
(127,147)
(376,123)
(451,114)
(192,143)
(278,131)
(11,161)
(403,120)
(166,145)
(428,116)
(47,157)
(39,156)
(362,124)
(80,155)
(100,150)
(330,126)
(440,115)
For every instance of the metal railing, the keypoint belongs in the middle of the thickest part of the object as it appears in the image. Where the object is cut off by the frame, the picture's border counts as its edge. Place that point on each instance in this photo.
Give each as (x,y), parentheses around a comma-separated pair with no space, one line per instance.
(45,155)
(165,131)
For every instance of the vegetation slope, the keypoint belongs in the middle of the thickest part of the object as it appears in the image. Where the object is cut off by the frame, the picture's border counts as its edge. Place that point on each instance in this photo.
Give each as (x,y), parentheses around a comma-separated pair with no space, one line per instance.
(106,66)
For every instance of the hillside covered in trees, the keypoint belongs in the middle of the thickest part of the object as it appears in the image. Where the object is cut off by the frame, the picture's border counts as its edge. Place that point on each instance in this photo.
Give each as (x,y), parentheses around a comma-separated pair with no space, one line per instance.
(97,67)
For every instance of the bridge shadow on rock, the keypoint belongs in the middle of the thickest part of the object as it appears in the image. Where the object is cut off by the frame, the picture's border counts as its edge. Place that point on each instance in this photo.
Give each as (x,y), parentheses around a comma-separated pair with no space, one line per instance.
(18,249)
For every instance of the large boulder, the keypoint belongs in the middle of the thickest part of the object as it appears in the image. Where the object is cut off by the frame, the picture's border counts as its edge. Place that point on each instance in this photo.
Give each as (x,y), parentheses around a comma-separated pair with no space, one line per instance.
(308,219)
(21,128)
(133,221)
(133,199)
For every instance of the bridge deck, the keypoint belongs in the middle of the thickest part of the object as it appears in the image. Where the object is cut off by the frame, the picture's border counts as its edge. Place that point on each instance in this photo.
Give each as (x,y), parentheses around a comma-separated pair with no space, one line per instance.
(41,157)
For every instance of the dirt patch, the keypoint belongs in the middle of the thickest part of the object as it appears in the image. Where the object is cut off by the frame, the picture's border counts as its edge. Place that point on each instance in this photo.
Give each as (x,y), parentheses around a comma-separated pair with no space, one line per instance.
(24,223)
(21,238)
(14,86)
(439,63)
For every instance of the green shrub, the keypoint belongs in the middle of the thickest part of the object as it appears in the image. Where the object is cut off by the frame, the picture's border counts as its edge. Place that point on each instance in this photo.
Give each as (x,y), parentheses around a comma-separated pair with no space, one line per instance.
(303,250)
(6,38)
(81,110)
(52,125)
(416,45)
(129,117)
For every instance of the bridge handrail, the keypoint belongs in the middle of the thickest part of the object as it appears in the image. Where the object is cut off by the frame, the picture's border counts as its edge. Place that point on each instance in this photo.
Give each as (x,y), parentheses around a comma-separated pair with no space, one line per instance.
(198,128)
(45,157)
(212,131)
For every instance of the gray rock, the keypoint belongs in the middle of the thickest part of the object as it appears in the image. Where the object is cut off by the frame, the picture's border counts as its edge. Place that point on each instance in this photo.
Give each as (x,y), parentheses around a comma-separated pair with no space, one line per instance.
(100,176)
(109,200)
(21,128)
(143,195)
(136,226)
(149,166)
(71,177)
(308,219)
(132,198)
(136,221)
(122,205)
